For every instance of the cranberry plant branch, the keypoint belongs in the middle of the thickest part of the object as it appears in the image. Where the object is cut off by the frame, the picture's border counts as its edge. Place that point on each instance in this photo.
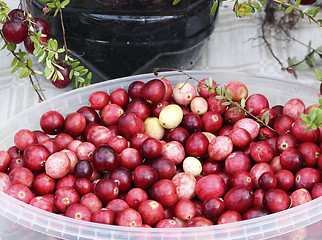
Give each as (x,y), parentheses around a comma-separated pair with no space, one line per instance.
(223,93)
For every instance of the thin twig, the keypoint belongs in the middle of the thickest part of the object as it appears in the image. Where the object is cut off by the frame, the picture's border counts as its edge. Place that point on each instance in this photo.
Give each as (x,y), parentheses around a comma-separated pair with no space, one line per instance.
(64,34)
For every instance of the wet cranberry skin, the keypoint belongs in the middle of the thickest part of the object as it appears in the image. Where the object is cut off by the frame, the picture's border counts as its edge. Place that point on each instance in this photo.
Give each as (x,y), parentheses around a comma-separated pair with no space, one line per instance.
(239,199)
(276,200)
(307,178)
(144,176)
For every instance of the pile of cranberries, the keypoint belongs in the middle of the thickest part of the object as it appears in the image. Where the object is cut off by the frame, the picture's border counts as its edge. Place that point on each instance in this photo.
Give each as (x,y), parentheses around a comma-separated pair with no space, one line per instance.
(157,155)
(15,31)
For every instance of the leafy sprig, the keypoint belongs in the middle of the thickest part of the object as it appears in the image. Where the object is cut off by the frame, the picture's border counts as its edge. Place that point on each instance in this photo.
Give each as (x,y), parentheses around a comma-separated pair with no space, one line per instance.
(313,120)
(55,5)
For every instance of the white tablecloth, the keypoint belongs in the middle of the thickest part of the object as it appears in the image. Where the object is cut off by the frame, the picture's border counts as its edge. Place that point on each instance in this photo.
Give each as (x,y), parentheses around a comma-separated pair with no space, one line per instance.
(234,46)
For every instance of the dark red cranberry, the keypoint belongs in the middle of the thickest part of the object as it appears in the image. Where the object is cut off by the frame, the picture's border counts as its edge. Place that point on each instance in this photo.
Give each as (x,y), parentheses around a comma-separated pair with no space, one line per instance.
(144,176)
(105,158)
(83,169)
(276,200)
(239,199)
(123,177)
(106,189)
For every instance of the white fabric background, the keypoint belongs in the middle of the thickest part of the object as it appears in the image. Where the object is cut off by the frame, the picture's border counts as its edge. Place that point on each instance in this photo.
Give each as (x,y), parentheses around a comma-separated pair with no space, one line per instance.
(229,48)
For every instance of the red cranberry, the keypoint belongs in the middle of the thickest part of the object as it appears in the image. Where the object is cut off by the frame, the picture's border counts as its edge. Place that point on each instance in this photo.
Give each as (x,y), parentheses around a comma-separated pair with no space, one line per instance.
(151,212)
(123,177)
(311,153)
(130,158)
(237,161)
(232,115)
(239,199)
(255,213)
(257,170)
(144,176)
(185,209)
(261,152)
(307,178)
(117,205)
(135,89)
(174,151)
(105,158)
(258,198)
(128,217)
(106,189)
(300,196)
(192,122)
(23,138)
(285,179)
(215,104)
(43,184)
(20,192)
(316,191)
(210,186)
(185,185)
(220,148)
(267,181)
(165,168)
(92,202)
(292,159)
(164,191)
(35,156)
(229,216)
(14,31)
(42,203)
(104,216)
(240,137)
(285,141)
(90,114)
(42,26)
(299,132)
(130,119)
(276,200)
(294,108)
(211,121)
(153,91)
(213,208)
(65,197)
(283,124)
(211,167)
(4,160)
(79,212)
(151,148)
(99,99)
(135,197)
(120,97)
(61,141)
(198,222)
(21,175)
(64,69)
(178,134)
(57,165)
(203,87)
(52,122)
(241,178)
(83,186)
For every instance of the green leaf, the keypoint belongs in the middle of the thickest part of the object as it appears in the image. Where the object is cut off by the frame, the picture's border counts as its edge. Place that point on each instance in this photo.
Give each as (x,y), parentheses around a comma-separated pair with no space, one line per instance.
(317,10)
(243,102)
(71,73)
(79,68)
(29,62)
(225,103)
(14,61)
(297,3)
(37,50)
(56,12)
(288,10)
(310,60)
(302,14)
(214,8)
(318,74)
(60,75)
(262,2)
(15,69)
(83,72)
(280,7)
(23,72)
(49,72)
(11,47)
(64,3)
(42,57)
(175,2)
(38,72)
(51,5)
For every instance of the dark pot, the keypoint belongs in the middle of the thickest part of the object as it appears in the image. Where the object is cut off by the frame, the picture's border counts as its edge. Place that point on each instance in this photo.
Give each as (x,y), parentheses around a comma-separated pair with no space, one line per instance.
(116,38)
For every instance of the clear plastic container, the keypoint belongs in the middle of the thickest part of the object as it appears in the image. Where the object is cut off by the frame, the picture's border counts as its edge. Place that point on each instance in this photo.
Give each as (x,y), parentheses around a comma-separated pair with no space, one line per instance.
(21,221)
(120,38)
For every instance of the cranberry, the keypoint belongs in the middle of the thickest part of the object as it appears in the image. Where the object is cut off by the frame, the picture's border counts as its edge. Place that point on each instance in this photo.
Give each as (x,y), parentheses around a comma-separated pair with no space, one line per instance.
(213,208)
(20,192)
(104,216)
(106,189)
(316,191)
(135,197)
(120,97)
(197,144)
(98,100)
(105,158)
(135,89)
(261,152)
(90,114)
(192,122)
(240,137)
(203,88)
(185,185)
(300,196)
(267,181)
(57,165)
(42,26)
(79,212)
(283,124)
(157,108)
(153,91)
(144,176)
(239,199)
(178,134)
(130,158)
(128,217)
(249,125)
(257,170)
(98,135)
(258,198)
(199,105)
(42,203)
(220,148)
(61,141)
(198,222)
(65,197)
(210,186)
(174,151)
(117,205)
(307,178)
(14,152)
(164,191)
(292,159)
(241,178)
(272,115)
(83,186)
(276,200)
(185,209)
(237,90)
(232,115)
(299,132)
(215,104)
(21,175)
(23,138)
(123,177)
(183,93)
(311,153)
(118,142)
(211,167)
(285,141)
(92,202)
(4,160)
(165,168)
(14,31)
(35,156)
(140,107)
(83,169)
(64,69)
(255,213)
(237,161)
(168,223)
(151,148)
(294,108)
(111,113)
(229,216)
(16,162)
(4,182)
(16,14)
(130,119)
(151,212)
